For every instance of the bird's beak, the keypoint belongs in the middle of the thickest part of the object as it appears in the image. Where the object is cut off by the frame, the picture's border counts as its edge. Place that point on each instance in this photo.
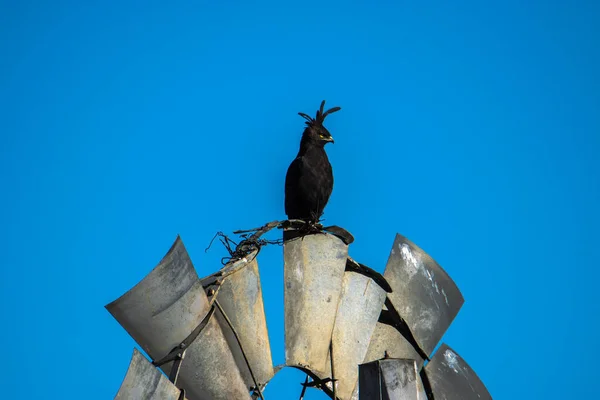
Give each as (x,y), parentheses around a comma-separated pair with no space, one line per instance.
(330,139)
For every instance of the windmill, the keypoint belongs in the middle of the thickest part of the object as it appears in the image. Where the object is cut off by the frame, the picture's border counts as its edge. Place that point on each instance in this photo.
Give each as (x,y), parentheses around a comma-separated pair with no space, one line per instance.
(356,334)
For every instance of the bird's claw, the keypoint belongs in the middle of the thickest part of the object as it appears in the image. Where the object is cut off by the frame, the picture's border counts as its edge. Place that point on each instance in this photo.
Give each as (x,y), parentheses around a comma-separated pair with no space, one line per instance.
(310,227)
(301,227)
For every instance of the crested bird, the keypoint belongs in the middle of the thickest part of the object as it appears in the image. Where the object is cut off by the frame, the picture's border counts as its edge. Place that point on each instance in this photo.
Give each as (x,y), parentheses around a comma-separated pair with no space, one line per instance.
(309,178)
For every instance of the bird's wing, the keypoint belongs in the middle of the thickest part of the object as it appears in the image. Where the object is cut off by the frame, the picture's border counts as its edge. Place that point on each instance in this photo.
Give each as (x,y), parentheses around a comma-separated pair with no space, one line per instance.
(292,181)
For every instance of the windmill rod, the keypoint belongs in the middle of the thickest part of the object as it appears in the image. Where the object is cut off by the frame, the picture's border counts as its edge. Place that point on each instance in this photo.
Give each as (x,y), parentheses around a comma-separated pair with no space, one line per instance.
(237,338)
(332,369)
(304,388)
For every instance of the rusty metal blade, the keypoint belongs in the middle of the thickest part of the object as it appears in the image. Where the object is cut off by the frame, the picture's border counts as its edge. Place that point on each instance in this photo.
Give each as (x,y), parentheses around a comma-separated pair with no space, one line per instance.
(451,378)
(357,314)
(313,273)
(425,297)
(240,296)
(390,379)
(144,381)
(162,310)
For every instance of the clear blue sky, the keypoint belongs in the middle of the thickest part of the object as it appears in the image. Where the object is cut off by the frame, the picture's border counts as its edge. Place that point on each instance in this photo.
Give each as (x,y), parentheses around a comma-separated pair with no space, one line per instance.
(473,129)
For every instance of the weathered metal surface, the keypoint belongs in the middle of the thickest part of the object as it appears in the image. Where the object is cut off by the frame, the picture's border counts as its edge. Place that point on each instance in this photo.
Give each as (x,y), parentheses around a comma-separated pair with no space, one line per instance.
(451,378)
(144,381)
(357,314)
(162,310)
(362,269)
(390,379)
(240,296)
(387,339)
(424,296)
(313,273)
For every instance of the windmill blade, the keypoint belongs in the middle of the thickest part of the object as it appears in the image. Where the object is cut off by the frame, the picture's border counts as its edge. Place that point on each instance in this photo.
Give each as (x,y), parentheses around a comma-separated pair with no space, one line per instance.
(388,340)
(392,379)
(161,312)
(424,296)
(313,273)
(357,314)
(144,381)
(451,378)
(240,296)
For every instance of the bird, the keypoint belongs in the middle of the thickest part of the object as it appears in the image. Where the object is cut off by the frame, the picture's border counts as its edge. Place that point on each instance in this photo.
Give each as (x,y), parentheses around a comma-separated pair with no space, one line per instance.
(309,178)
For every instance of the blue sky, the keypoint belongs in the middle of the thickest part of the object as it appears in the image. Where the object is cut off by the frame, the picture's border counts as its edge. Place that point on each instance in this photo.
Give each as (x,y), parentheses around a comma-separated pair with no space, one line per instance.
(473,129)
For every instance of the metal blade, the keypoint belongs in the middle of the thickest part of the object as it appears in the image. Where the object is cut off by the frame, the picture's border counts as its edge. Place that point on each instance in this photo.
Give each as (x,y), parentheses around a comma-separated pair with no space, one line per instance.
(387,340)
(390,379)
(357,314)
(313,273)
(425,297)
(144,381)
(451,378)
(240,296)
(162,310)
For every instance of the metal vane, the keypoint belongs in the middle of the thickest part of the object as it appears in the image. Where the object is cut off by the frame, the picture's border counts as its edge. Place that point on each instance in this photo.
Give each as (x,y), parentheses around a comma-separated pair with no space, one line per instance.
(359,308)
(162,310)
(424,302)
(392,379)
(144,381)
(452,378)
(238,291)
(313,275)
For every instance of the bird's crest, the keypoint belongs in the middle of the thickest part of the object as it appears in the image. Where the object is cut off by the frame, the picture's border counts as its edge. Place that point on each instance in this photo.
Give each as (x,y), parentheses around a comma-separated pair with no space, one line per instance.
(318,120)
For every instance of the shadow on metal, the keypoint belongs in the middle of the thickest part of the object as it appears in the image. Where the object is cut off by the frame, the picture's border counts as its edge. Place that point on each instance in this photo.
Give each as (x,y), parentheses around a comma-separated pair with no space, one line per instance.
(390,379)
(423,304)
(451,378)
(163,309)
(238,290)
(313,274)
(144,381)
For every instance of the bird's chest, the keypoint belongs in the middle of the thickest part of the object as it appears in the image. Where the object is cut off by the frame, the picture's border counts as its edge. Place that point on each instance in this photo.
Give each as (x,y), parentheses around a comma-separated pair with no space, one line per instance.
(317,170)
(317,163)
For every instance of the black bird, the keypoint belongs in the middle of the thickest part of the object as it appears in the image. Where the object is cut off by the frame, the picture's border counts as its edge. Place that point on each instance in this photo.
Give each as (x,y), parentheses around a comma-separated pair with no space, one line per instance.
(309,179)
